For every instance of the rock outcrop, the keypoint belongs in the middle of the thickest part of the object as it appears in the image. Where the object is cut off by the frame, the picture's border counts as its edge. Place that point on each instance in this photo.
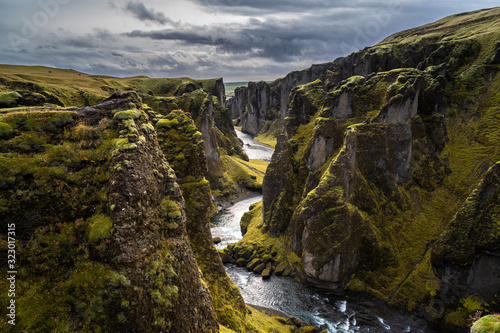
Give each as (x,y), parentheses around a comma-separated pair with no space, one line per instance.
(203,99)
(108,247)
(255,104)
(262,101)
(466,256)
(184,147)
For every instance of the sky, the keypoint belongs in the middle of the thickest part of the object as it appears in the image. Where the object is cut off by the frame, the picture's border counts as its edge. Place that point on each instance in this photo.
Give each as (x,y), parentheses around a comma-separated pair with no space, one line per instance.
(239,40)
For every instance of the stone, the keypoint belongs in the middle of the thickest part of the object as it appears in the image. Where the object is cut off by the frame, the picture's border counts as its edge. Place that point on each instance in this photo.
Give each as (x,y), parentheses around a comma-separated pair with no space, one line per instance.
(253,264)
(266,273)
(294,321)
(259,268)
(224,257)
(241,262)
(280,269)
(244,253)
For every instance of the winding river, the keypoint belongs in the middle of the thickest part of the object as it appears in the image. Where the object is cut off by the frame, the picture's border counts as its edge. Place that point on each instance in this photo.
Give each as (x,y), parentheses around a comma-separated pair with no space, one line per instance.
(353,313)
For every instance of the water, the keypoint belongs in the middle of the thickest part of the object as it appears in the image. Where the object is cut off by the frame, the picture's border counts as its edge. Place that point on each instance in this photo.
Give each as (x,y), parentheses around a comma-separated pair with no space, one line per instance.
(336,314)
(321,308)
(254,149)
(226,224)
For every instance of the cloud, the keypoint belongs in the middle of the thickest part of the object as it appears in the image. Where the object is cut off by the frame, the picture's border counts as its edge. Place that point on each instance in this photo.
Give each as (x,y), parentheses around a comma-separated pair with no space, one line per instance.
(256,7)
(236,39)
(270,38)
(140,12)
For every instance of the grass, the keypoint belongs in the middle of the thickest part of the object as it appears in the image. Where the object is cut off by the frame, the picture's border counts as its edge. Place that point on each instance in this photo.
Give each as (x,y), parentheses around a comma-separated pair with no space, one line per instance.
(74,88)
(247,174)
(266,139)
(256,168)
(453,27)
(262,322)
(254,236)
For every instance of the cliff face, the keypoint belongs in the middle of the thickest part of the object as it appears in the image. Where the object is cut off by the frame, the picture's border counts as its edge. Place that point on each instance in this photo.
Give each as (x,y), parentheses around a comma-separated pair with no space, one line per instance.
(466,255)
(262,101)
(108,248)
(109,237)
(205,104)
(376,158)
(255,104)
(183,144)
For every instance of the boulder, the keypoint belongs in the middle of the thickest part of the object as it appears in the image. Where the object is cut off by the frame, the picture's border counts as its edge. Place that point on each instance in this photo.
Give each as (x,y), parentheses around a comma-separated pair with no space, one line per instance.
(266,273)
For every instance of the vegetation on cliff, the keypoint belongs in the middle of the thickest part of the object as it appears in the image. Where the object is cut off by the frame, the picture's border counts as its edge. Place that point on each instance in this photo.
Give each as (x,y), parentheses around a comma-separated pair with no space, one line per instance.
(376,158)
(100,250)
(105,240)
(204,100)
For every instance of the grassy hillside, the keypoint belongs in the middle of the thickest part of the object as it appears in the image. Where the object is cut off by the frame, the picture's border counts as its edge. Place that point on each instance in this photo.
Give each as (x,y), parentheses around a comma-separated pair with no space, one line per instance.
(66,87)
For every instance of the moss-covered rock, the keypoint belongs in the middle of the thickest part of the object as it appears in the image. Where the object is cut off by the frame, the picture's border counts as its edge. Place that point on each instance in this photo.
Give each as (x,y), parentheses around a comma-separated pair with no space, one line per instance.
(96,224)
(182,143)
(100,227)
(5,131)
(486,324)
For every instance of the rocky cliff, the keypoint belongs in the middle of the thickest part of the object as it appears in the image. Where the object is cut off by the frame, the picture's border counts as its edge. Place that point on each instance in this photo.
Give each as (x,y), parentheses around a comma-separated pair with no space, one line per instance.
(109,238)
(183,144)
(259,104)
(375,160)
(101,224)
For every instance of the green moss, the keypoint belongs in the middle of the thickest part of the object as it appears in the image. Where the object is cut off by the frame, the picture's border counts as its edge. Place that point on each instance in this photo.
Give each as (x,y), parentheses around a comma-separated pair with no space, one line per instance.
(9,99)
(118,280)
(5,130)
(122,145)
(169,205)
(100,227)
(51,122)
(457,318)
(29,142)
(473,304)
(175,214)
(421,286)
(487,324)
(167,123)
(197,135)
(129,114)
(172,209)
(79,296)
(488,132)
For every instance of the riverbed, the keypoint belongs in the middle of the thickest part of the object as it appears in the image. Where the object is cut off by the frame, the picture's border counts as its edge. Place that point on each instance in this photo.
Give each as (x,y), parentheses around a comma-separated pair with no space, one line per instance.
(255,150)
(342,314)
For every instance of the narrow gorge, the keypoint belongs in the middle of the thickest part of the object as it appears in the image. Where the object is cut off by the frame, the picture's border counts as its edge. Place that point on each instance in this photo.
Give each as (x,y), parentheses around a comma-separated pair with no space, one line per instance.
(383,188)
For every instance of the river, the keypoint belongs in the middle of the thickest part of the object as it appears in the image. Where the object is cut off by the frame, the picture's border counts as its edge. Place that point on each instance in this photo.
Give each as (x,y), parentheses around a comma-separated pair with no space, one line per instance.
(254,149)
(342,314)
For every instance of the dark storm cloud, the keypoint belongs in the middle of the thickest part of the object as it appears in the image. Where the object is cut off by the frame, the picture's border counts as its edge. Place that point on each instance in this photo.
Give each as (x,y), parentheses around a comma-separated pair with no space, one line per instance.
(253,7)
(97,39)
(139,11)
(271,38)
